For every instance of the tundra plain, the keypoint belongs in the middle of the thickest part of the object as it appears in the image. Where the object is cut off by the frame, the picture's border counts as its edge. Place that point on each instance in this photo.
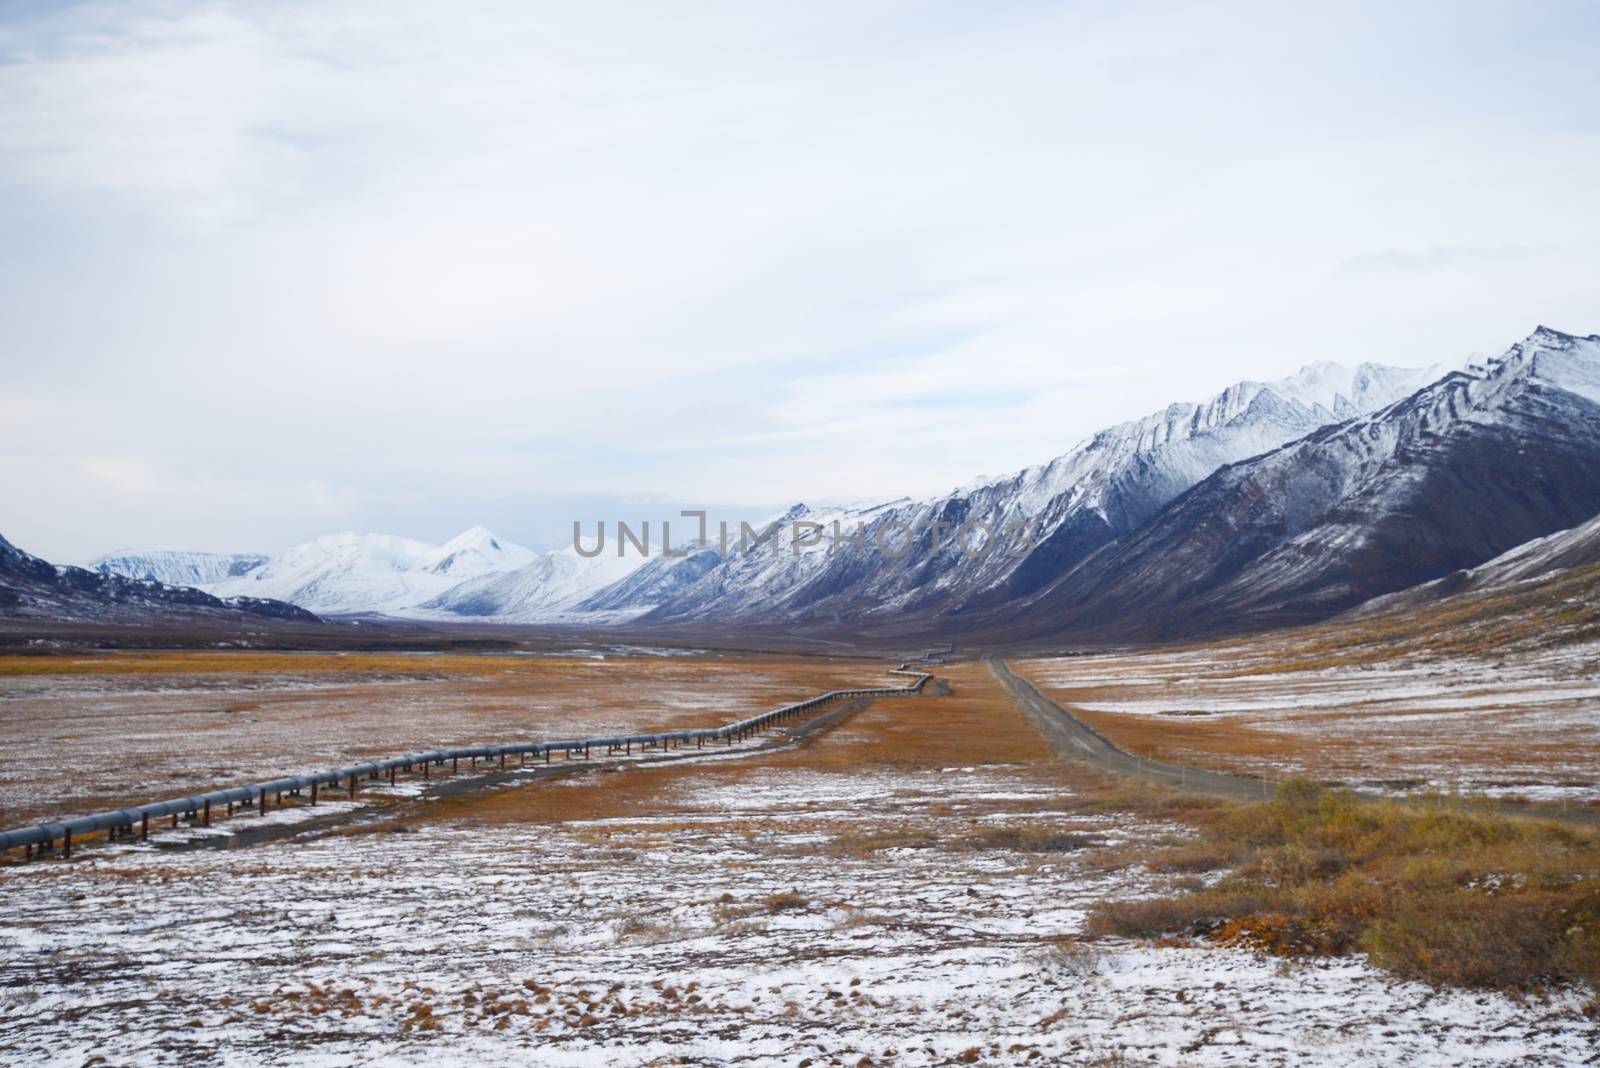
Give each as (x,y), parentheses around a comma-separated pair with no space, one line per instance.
(901,881)
(1511,724)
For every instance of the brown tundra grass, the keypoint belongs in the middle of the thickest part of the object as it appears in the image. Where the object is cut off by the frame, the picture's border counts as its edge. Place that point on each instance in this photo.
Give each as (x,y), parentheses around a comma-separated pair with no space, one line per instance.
(1429,888)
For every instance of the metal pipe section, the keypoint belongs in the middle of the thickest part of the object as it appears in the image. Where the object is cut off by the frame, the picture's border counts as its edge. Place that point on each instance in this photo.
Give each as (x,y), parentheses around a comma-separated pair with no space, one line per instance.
(197,808)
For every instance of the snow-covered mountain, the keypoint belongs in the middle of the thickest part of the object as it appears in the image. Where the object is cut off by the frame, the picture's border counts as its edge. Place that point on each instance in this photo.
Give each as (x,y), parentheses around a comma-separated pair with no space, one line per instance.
(373,574)
(1073,505)
(476,552)
(1464,469)
(656,583)
(473,576)
(548,589)
(177,567)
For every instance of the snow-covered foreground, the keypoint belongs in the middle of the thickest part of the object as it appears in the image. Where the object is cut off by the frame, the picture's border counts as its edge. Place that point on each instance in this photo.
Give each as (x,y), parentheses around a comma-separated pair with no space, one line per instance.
(777,915)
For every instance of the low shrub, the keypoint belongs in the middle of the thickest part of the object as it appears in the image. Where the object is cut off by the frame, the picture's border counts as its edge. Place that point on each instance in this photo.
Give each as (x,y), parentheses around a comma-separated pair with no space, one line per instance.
(1031,840)
(1069,957)
(1195,859)
(1285,936)
(1430,888)
(787,901)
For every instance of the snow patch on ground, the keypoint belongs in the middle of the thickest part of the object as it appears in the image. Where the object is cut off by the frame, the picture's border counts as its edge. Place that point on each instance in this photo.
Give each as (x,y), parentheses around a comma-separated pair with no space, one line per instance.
(647,939)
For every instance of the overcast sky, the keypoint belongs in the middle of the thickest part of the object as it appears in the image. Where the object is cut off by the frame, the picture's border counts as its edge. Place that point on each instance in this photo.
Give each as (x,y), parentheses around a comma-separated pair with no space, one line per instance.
(278,269)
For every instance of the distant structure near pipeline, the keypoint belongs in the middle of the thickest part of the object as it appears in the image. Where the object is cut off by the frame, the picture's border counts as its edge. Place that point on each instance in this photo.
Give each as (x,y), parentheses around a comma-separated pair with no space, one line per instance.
(121,823)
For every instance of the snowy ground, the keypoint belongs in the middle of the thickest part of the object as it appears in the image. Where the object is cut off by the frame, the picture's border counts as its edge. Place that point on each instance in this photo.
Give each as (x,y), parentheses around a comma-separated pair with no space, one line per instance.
(1524,726)
(778,915)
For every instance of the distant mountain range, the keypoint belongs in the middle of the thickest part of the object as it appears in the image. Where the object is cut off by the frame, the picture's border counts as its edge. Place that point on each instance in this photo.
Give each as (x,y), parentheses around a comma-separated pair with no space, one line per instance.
(373,574)
(1269,503)
(474,575)
(30,588)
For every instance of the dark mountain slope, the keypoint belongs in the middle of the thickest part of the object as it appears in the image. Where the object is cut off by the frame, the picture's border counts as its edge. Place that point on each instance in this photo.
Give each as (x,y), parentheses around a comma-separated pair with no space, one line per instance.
(1529,563)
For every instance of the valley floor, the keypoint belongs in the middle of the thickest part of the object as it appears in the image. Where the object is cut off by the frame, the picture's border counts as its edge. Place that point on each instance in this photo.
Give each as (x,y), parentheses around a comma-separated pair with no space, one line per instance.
(1512,726)
(905,888)
(97,732)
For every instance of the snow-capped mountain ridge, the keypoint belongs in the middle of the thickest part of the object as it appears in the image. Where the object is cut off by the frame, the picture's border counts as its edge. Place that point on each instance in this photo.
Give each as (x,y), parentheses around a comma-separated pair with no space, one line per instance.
(1076,502)
(367,574)
(1464,469)
(177,567)
(547,589)
(348,574)
(476,551)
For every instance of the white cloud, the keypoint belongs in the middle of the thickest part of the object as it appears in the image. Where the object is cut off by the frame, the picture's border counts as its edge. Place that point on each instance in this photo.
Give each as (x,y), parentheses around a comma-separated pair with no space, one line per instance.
(1438,258)
(365,262)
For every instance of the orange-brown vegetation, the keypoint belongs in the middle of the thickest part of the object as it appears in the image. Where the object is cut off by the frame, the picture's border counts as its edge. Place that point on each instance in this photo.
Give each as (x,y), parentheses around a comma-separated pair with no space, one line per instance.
(974,723)
(123,728)
(1302,699)
(1432,889)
